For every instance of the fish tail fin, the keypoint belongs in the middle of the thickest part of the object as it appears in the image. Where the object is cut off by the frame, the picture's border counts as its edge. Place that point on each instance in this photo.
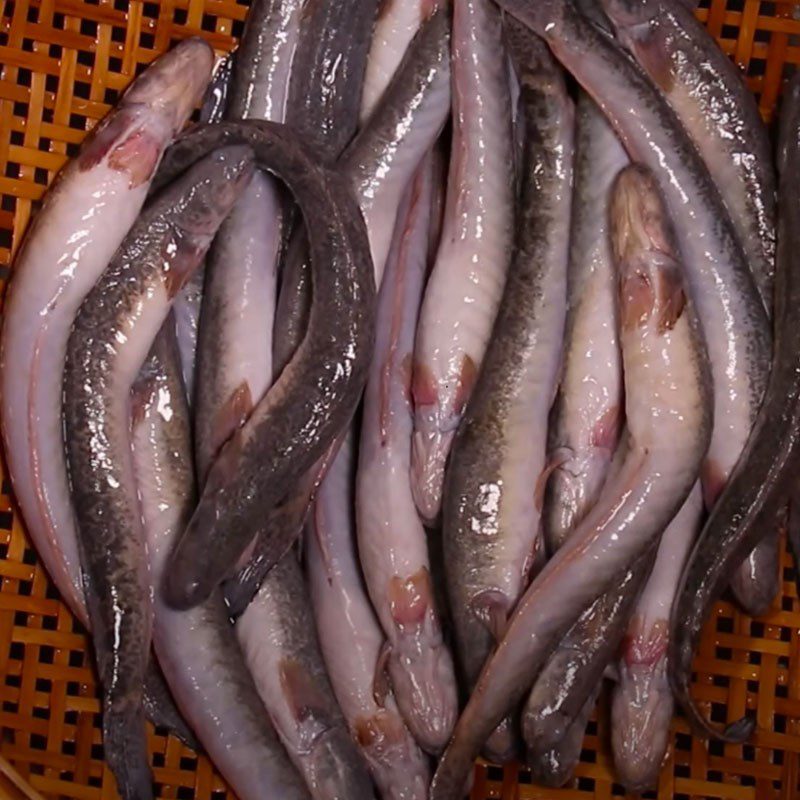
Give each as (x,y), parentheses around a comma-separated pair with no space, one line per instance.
(125,748)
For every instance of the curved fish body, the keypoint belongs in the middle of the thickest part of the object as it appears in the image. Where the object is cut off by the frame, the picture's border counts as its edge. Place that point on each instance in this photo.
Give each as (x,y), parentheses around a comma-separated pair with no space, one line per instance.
(279,640)
(198,649)
(757,490)
(328,73)
(352,641)
(642,703)
(469,273)
(587,416)
(315,397)
(719,112)
(558,707)
(668,410)
(392,543)
(83,220)
(394,29)
(380,163)
(110,338)
(491,509)
(235,339)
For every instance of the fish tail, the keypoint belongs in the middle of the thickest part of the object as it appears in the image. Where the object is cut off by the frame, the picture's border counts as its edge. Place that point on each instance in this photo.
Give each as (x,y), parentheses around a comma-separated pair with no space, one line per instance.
(125,748)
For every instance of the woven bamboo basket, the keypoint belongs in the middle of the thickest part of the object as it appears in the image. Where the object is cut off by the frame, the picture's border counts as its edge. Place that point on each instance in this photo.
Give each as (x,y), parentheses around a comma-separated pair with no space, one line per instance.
(62,64)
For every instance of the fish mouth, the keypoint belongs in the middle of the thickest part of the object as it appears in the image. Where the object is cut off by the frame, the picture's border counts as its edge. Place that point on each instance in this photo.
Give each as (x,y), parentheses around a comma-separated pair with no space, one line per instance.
(176,82)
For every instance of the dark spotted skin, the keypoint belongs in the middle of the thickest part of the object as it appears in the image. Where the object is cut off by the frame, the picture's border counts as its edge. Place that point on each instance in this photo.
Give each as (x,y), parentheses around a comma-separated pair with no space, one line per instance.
(767,470)
(316,395)
(108,343)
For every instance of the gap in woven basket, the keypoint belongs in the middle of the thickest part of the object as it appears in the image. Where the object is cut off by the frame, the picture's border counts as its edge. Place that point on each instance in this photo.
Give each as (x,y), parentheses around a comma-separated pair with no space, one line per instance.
(33,14)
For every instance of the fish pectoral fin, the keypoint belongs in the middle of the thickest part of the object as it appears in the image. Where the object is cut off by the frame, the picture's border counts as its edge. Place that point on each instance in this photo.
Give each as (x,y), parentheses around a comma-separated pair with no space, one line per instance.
(306,700)
(381,686)
(558,457)
(493,609)
(232,414)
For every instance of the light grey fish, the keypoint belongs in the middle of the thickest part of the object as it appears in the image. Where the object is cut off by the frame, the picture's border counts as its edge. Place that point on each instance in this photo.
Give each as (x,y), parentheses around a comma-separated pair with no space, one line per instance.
(110,338)
(198,648)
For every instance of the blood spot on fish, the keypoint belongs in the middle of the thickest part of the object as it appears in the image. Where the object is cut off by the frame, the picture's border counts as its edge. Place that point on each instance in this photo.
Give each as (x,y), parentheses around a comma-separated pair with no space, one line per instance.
(605,432)
(102,139)
(305,699)
(466,382)
(655,51)
(423,386)
(672,299)
(713,479)
(410,598)
(637,300)
(138,156)
(381,688)
(492,608)
(233,413)
(378,731)
(645,648)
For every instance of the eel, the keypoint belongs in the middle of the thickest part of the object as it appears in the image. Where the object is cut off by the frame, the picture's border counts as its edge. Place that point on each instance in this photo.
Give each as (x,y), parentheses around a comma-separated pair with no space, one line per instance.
(467,278)
(668,404)
(113,330)
(203,663)
(279,639)
(490,515)
(392,543)
(352,641)
(720,114)
(766,471)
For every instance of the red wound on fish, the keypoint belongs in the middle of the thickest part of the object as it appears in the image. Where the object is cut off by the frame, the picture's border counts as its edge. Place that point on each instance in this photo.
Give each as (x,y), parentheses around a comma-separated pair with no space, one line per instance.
(637,300)
(381,688)
(423,386)
(605,432)
(410,598)
(378,731)
(713,480)
(493,609)
(103,139)
(655,53)
(672,298)
(138,156)
(645,648)
(300,689)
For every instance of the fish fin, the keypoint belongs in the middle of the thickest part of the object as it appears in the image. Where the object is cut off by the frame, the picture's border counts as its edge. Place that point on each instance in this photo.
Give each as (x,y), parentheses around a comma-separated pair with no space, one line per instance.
(424,390)
(232,414)
(125,748)
(637,301)
(605,431)
(555,460)
(493,609)
(672,298)
(410,598)
(137,156)
(713,480)
(467,376)
(304,696)
(381,688)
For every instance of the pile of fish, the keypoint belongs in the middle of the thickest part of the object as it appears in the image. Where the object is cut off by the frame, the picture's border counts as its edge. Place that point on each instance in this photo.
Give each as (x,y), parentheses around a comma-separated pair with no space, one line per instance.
(430,379)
